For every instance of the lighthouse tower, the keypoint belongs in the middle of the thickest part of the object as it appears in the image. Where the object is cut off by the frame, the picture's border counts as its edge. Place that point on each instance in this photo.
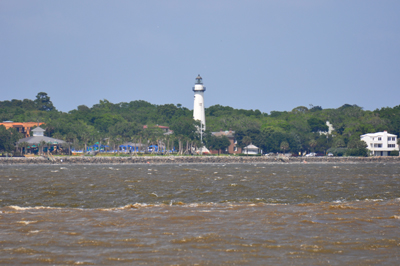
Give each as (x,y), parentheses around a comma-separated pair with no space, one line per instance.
(198,108)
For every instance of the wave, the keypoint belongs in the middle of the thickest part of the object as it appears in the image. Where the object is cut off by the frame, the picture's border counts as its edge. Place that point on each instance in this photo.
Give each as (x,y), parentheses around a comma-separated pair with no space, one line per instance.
(329,205)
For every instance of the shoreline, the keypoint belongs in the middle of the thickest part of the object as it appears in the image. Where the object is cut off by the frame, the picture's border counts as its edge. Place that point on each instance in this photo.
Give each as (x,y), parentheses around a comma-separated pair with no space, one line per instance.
(192,159)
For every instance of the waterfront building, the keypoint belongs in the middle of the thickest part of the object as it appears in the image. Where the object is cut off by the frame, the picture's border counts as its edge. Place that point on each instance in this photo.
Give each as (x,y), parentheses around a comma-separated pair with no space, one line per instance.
(21,127)
(380,143)
(39,140)
(251,149)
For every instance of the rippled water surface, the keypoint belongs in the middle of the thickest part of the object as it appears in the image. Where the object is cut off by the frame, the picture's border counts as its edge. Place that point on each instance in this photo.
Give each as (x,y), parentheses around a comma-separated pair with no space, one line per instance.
(200,214)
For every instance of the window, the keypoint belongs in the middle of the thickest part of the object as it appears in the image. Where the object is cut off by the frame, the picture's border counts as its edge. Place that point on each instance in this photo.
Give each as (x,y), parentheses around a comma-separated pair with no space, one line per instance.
(377,145)
(379,138)
(391,145)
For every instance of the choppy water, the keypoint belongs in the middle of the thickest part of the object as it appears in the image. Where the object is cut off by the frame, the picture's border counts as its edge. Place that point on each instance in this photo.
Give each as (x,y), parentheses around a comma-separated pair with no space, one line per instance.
(193,214)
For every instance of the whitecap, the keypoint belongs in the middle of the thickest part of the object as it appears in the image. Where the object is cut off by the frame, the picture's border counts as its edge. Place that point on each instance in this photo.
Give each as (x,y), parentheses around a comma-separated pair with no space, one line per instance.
(26,222)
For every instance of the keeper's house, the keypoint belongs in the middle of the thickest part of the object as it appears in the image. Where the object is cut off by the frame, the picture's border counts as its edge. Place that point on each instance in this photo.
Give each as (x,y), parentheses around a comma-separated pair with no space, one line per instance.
(232,149)
(380,143)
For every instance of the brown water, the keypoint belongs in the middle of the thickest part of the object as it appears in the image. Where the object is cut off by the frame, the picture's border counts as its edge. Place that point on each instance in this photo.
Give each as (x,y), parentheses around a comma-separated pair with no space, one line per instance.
(193,214)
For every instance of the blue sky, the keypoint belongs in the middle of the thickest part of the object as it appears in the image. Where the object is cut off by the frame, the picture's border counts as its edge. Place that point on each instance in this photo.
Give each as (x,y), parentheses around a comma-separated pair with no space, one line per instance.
(266,55)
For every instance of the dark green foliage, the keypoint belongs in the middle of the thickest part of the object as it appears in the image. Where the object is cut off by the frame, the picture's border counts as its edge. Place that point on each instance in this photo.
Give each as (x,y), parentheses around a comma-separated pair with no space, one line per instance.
(394,153)
(219,143)
(8,137)
(361,152)
(356,143)
(392,118)
(317,124)
(337,151)
(185,127)
(316,108)
(43,102)
(125,129)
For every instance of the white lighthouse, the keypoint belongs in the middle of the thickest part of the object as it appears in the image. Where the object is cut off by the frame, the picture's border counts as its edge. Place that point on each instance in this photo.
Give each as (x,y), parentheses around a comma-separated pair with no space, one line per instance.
(198,108)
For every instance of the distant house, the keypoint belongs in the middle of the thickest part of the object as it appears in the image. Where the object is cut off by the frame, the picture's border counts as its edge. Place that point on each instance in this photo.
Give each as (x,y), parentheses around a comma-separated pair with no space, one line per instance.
(251,149)
(21,127)
(165,129)
(233,148)
(380,143)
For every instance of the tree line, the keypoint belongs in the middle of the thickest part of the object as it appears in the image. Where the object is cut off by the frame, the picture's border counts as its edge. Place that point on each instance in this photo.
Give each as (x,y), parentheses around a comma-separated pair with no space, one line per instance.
(298,130)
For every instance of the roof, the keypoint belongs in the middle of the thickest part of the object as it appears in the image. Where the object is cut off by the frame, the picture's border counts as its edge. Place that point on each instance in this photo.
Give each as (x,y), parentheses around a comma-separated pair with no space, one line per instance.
(376,134)
(38,129)
(9,124)
(227,133)
(39,139)
(165,127)
(251,147)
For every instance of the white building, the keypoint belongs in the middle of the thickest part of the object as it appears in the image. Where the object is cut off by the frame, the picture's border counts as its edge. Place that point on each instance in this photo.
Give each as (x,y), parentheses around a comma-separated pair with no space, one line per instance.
(251,149)
(198,107)
(380,143)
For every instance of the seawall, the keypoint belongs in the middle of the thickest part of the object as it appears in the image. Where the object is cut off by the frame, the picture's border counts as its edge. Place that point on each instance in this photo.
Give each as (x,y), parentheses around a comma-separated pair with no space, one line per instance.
(191,159)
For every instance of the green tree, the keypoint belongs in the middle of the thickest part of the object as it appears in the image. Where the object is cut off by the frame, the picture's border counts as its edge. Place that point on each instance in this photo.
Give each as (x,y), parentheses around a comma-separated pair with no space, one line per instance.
(356,144)
(125,129)
(219,143)
(168,111)
(284,146)
(312,143)
(23,145)
(186,126)
(339,142)
(317,124)
(43,102)
(8,139)
(246,141)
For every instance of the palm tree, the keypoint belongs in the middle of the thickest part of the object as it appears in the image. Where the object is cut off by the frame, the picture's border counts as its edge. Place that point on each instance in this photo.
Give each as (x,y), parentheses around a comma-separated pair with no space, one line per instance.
(312,144)
(42,143)
(23,146)
(118,141)
(284,146)
(246,141)
(85,138)
(70,138)
(339,143)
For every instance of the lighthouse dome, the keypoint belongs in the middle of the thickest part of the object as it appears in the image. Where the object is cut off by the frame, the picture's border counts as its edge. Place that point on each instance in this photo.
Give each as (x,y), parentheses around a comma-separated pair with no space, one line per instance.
(199,79)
